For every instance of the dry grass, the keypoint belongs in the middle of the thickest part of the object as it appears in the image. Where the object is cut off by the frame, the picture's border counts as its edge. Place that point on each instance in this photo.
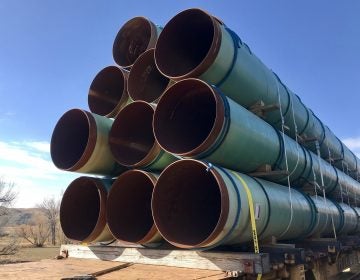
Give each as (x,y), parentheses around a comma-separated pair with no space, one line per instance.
(29,254)
(26,252)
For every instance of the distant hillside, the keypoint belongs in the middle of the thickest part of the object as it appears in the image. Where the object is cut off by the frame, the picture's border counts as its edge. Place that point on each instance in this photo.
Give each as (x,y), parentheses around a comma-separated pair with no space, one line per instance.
(18,216)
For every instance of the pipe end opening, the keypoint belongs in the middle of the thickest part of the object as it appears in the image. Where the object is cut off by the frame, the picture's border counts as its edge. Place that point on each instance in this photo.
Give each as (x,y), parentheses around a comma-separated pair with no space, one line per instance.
(80,209)
(188,204)
(185,43)
(70,139)
(131,137)
(129,206)
(145,81)
(188,118)
(107,90)
(132,40)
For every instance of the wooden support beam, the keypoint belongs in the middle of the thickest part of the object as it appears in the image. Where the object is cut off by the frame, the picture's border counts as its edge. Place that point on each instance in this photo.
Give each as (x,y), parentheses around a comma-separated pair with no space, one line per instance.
(269,173)
(214,260)
(304,140)
(260,109)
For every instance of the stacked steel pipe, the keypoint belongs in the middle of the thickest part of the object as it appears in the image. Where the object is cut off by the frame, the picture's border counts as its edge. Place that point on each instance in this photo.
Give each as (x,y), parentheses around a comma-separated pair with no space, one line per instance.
(195,106)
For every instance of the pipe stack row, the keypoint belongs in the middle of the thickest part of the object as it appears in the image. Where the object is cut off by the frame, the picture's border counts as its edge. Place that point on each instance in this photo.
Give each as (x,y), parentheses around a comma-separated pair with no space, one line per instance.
(172,130)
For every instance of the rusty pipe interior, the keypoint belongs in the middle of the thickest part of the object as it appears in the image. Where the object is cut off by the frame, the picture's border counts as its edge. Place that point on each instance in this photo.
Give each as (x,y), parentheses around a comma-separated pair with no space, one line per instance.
(187,203)
(188,117)
(187,44)
(131,138)
(145,81)
(129,207)
(108,91)
(133,38)
(82,209)
(73,140)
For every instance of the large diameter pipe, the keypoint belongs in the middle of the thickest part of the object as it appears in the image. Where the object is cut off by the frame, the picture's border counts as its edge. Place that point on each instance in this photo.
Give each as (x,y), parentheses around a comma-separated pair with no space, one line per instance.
(192,119)
(129,208)
(108,92)
(79,143)
(132,140)
(135,36)
(196,44)
(197,206)
(83,210)
(145,81)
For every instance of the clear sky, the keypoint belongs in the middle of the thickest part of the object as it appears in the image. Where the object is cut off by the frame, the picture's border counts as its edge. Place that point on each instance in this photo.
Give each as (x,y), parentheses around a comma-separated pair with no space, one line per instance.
(51,50)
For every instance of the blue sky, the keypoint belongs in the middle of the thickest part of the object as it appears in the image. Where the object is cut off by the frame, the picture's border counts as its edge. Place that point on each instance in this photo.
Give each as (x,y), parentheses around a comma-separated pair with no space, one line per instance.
(51,50)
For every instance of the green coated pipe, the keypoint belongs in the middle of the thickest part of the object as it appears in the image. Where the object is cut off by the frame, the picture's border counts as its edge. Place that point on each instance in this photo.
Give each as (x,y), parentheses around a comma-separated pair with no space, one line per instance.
(356,175)
(83,210)
(350,219)
(196,44)
(108,92)
(129,208)
(145,81)
(346,189)
(198,205)
(331,147)
(79,143)
(132,140)
(357,210)
(349,164)
(329,217)
(193,119)
(135,37)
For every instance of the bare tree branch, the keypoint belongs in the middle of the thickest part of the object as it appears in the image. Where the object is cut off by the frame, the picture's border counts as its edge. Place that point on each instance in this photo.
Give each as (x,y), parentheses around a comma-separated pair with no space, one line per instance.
(35,232)
(51,208)
(7,195)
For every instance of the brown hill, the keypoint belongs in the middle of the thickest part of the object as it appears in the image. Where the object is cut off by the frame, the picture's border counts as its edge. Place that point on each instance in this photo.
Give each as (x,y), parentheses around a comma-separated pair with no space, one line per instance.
(17,216)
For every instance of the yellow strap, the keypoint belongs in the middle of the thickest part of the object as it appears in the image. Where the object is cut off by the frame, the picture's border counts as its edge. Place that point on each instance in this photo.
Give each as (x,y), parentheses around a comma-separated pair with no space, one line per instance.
(252,216)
